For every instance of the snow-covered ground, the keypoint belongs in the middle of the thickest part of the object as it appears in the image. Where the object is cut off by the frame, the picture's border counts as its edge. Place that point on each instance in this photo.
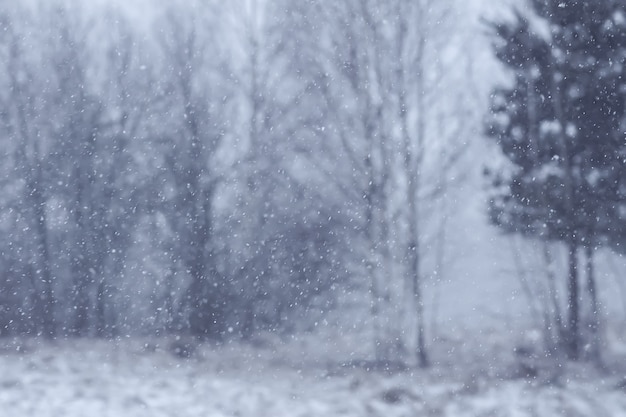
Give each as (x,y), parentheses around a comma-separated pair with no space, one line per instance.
(86,378)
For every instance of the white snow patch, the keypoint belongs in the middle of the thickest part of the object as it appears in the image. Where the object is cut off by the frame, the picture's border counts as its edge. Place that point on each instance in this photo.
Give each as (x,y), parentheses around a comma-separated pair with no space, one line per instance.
(141,378)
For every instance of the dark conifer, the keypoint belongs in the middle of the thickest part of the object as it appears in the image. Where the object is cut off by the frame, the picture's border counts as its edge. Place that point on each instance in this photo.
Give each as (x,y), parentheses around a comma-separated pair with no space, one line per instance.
(561,127)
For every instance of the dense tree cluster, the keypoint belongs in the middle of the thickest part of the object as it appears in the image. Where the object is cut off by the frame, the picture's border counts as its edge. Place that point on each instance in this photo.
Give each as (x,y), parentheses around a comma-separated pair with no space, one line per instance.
(224,168)
(561,126)
(132,201)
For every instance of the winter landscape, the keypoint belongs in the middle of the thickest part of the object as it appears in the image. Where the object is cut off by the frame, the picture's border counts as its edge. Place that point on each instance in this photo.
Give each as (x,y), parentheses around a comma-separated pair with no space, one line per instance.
(313,208)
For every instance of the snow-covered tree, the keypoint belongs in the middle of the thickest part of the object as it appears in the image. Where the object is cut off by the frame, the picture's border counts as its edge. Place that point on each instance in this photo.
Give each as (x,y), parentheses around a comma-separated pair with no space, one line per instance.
(559,125)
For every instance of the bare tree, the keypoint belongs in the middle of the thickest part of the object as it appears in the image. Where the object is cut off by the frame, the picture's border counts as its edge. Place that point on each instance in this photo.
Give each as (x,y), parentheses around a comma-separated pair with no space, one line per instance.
(191,60)
(26,125)
(380,74)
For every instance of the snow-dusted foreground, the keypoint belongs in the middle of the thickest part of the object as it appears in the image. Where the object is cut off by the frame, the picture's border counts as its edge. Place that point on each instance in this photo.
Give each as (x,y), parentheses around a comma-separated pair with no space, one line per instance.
(138,378)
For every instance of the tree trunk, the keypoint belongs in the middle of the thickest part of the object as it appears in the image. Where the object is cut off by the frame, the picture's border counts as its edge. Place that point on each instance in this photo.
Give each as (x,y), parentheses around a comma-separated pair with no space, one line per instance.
(522,276)
(413,257)
(101,322)
(414,184)
(573,342)
(372,264)
(570,235)
(80,322)
(594,325)
(557,318)
(422,357)
(47,298)
(79,265)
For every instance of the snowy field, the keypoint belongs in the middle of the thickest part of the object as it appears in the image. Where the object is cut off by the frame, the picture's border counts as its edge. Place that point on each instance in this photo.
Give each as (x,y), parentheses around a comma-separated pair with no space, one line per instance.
(82,378)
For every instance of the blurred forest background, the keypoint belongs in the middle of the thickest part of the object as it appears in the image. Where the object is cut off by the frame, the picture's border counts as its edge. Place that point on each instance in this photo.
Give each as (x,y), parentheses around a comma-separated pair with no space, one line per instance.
(222,169)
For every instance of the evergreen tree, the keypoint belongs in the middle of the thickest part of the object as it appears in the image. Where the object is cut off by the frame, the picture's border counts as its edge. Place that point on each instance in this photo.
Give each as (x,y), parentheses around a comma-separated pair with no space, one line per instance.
(560,126)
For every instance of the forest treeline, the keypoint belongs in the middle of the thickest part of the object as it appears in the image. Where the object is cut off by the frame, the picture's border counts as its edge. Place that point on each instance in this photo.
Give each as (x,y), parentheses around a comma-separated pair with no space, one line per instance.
(223,168)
